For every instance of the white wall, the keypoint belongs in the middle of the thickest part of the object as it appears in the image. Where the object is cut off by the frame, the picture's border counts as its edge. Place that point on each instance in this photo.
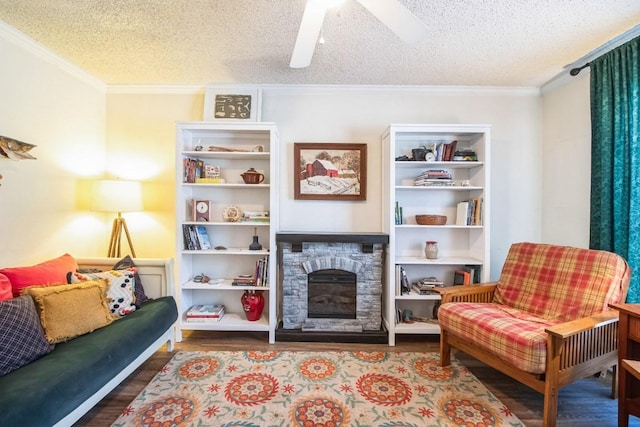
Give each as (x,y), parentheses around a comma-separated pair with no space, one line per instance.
(51,104)
(47,102)
(566,161)
(361,115)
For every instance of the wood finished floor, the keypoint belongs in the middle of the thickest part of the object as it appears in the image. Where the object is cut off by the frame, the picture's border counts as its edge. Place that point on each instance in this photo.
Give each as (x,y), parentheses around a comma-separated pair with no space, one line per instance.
(585,403)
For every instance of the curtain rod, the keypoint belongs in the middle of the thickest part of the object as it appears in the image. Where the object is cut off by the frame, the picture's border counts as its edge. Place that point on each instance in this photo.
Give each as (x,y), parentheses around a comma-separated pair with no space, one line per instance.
(575,71)
(606,47)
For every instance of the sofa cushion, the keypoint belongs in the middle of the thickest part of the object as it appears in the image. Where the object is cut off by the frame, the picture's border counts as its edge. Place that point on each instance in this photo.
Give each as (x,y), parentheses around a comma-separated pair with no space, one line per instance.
(5,288)
(22,339)
(53,271)
(140,296)
(67,311)
(120,290)
(78,368)
(512,335)
(560,282)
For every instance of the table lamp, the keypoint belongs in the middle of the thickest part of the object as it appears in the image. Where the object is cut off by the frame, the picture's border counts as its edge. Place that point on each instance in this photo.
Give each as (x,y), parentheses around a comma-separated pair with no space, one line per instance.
(117,196)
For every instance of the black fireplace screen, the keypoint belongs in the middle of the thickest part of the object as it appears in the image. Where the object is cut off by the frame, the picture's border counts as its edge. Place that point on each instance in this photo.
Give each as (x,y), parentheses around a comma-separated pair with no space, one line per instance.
(332,294)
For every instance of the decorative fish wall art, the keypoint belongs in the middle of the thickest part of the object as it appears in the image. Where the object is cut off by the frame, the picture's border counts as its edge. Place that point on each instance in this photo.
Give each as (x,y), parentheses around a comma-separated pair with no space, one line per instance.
(14,149)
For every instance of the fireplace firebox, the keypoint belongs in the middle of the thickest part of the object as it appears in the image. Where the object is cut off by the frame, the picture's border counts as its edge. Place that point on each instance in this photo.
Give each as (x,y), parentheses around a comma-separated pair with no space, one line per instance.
(331,294)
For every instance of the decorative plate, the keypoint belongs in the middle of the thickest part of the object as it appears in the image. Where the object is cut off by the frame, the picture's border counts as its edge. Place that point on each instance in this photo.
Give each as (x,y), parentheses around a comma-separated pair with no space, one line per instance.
(232,214)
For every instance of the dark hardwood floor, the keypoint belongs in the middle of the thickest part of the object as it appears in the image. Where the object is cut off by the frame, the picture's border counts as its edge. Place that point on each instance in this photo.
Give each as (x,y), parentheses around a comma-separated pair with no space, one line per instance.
(585,403)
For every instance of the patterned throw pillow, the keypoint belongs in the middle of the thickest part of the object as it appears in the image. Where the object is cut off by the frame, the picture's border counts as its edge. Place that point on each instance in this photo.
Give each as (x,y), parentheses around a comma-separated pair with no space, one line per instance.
(68,311)
(121,288)
(22,339)
(141,297)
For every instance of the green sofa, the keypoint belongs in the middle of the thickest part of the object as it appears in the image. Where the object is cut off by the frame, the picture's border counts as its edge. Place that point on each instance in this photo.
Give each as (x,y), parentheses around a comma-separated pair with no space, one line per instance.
(60,387)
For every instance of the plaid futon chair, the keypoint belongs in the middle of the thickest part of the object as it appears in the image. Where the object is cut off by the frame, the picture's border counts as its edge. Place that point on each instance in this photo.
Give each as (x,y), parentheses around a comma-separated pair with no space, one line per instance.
(545,323)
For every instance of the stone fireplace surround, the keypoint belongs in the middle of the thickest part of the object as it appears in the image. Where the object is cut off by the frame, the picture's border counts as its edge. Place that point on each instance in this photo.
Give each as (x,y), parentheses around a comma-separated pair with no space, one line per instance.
(300,254)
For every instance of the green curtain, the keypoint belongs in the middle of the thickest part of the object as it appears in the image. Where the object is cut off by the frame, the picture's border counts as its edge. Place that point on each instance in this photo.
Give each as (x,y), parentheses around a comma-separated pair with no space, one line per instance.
(615,156)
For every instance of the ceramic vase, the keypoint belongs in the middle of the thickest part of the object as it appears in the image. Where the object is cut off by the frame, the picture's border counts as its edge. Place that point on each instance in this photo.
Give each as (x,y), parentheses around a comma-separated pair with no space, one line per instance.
(252,304)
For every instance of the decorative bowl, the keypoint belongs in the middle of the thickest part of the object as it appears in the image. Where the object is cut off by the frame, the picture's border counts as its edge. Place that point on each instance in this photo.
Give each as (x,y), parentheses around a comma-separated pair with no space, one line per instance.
(431,219)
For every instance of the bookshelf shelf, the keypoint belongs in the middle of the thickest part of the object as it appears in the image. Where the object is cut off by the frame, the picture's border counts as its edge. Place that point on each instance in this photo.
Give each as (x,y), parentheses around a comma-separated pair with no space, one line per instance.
(460,246)
(234,142)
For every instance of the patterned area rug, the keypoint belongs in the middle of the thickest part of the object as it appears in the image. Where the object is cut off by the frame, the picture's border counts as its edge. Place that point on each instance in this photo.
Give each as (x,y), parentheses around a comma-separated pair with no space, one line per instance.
(320,389)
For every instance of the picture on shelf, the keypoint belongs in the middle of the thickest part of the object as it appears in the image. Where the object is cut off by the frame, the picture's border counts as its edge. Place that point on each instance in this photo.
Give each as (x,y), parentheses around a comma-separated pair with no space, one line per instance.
(330,171)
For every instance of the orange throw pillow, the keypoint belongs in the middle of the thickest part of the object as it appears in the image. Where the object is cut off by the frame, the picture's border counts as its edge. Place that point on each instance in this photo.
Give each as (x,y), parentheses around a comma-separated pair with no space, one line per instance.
(53,271)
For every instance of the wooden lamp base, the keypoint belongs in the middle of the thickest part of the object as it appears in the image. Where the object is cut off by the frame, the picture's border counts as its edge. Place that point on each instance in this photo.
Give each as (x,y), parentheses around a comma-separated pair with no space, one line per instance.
(116,236)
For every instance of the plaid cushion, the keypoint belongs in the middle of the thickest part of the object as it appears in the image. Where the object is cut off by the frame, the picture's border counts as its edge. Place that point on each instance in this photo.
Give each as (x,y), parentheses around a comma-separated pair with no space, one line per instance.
(512,335)
(560,282)
(21,336)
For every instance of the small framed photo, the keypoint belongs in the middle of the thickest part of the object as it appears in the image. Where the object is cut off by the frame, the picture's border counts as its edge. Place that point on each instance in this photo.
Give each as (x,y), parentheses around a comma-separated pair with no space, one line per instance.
(329,171)
(232,103)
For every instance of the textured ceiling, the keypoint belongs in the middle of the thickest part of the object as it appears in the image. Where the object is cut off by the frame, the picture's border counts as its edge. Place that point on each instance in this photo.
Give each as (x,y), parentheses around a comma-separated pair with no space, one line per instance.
(469,42)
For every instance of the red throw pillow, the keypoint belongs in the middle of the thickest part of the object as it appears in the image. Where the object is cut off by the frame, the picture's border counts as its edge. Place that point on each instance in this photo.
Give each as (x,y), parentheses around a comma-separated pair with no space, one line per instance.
(51,272)
(5,288)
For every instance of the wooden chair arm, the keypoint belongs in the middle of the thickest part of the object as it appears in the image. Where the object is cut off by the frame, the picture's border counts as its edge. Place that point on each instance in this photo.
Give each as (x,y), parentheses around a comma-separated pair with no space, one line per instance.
(471,293)
(574,327)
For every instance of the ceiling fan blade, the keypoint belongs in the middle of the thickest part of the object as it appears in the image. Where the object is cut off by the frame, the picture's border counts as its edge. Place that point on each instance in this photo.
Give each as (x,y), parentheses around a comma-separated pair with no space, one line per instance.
(398,18)
(308,33)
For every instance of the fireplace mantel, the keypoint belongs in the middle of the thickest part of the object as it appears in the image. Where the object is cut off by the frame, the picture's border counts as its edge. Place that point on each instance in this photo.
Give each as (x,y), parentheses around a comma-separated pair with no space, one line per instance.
(325,237)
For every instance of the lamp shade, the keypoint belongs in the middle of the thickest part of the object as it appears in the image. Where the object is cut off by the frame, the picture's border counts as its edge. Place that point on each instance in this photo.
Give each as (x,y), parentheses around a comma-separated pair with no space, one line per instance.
(116,196)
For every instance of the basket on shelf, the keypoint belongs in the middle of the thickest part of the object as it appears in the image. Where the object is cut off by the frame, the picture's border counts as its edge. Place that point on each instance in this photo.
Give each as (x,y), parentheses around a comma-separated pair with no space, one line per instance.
(431,219)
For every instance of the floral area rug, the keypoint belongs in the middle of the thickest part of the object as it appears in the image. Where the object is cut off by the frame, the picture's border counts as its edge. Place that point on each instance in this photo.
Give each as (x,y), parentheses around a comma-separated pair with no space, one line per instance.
(319,389)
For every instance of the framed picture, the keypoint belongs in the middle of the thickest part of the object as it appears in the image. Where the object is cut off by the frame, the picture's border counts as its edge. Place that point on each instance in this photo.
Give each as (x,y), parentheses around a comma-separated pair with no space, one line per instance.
(329,171)
(232,103)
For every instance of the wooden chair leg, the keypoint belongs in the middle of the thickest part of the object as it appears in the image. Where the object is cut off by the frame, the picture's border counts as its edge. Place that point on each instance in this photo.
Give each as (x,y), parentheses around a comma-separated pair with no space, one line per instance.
(445,349)
(550,410)
(614,382)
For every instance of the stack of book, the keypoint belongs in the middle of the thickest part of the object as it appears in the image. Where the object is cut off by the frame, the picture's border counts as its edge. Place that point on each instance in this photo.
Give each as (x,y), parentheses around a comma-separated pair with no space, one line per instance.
(244,280)
(205,313)
(433,177)
(426,286)
(257,216)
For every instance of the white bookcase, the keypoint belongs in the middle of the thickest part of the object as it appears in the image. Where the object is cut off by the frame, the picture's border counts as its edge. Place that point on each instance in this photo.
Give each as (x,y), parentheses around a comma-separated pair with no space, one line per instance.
(458,245)
(234,148)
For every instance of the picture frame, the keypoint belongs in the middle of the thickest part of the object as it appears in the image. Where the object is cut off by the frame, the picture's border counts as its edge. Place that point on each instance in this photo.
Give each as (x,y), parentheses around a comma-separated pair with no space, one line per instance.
(329,171)
(232,103)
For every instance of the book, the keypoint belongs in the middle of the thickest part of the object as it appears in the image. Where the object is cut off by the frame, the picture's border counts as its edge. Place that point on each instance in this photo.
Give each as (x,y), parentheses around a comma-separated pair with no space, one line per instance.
(205,311)
(244,280)
(404,284)
(462,213)
(422,291)
(475,271)
(461,277)
(203,237)
(210,181)
(429,283)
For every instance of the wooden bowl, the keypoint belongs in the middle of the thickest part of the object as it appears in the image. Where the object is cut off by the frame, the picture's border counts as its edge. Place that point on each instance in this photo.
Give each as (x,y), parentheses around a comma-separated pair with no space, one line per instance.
(431,219)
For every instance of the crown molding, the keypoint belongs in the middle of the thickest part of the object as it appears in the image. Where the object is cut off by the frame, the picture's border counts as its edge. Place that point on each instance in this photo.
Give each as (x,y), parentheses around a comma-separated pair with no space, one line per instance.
(14,36)
(156,89)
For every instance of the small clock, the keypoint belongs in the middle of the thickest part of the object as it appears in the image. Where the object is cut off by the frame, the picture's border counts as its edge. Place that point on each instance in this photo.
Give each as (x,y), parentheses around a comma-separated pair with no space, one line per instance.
(430,157)
(202,210)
